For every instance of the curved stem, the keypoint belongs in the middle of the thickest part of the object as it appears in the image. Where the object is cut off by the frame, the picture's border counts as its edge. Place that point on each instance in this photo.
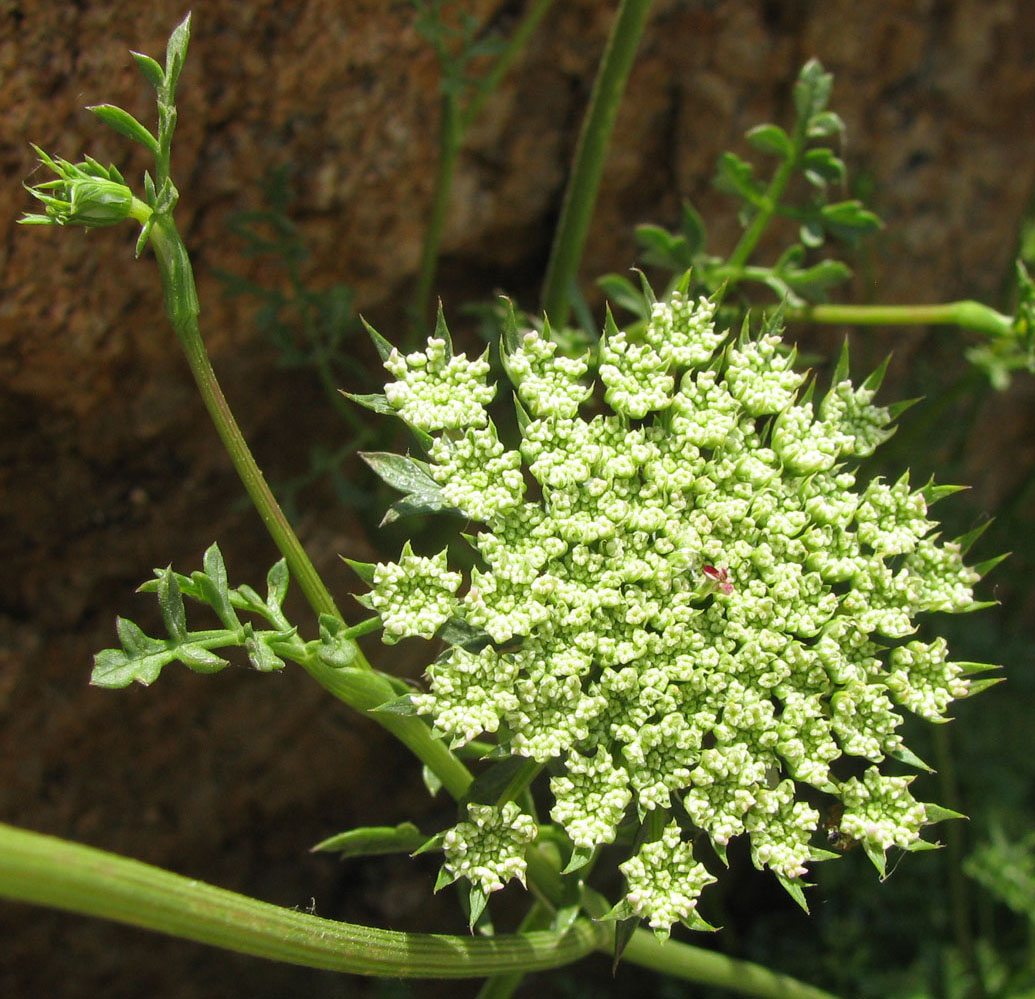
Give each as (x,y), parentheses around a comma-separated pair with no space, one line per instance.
(181,304)
(48,871)
(590,153)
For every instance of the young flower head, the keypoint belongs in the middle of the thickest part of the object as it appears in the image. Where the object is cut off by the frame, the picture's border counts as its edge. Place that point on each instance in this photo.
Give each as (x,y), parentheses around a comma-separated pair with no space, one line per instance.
(682,602)
(84,194)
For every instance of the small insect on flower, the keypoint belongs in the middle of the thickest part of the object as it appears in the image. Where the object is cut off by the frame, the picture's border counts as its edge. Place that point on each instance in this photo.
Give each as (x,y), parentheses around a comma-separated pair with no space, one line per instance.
(721,577)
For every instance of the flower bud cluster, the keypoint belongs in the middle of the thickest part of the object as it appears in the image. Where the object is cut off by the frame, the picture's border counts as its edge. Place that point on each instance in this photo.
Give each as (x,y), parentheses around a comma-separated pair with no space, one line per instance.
(690,609)
(489,848)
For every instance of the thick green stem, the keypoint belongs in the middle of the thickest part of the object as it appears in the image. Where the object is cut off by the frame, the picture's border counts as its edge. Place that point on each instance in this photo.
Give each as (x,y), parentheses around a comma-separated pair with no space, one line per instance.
(966,314)
(588,167)
(53,872)
(181,305)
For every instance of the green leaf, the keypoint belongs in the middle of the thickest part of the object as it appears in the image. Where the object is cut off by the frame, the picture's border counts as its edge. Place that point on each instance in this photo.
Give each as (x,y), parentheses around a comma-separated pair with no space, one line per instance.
(115,668)
(812,91)
(365,570)
(491,783)
(691,225)
(442,330)
(580,856)
(277,580)
(175,54)
(124,123)
(824,124)
(171,602)
(376,402)
(938,813)
(400,706)
(152,72)
(336,648)
(822,167)
(383,347)
(260,655)
(622,292)
(401,471)
(373,841)
(771,140)
(795,889)
(735,176)
(199,659)
(213,589)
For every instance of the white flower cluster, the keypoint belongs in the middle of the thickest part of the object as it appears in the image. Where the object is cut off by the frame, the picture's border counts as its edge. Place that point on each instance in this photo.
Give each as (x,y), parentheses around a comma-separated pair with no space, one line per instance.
(688,606)
(489,849)
(414,596)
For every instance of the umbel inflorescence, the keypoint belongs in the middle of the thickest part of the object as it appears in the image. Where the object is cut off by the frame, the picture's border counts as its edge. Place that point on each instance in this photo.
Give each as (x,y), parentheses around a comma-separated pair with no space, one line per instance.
(686,606)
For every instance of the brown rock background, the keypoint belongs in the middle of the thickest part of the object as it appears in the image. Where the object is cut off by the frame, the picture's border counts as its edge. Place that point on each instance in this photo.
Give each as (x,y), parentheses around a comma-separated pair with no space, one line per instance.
(109,466)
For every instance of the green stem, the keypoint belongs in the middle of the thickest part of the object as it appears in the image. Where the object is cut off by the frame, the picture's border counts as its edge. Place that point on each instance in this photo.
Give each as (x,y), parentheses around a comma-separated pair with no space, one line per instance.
(181,305)
(360,687)
(451,134)
(48,871)
(966,314)
(505,60)
(590,153)
(710,968)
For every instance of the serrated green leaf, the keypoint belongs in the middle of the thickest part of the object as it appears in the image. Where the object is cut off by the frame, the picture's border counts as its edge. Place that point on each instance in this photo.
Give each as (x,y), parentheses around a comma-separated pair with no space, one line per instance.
(373,841)
(771,140)
(170,600)
(125,124)
(114,669)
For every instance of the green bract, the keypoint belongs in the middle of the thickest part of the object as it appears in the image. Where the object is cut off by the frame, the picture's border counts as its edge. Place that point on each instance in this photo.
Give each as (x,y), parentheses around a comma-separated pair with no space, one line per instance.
(685,605)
